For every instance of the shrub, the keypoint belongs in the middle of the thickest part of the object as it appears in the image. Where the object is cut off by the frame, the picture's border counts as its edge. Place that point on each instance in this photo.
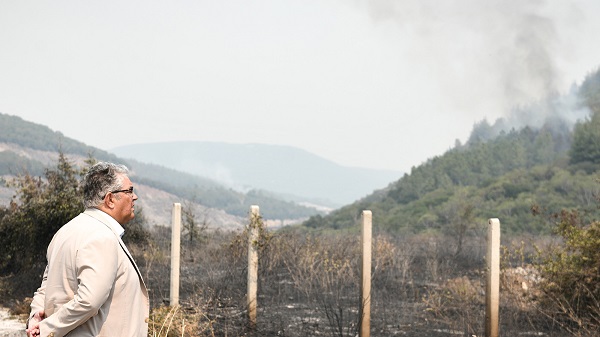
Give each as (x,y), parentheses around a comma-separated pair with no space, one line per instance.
(571,275)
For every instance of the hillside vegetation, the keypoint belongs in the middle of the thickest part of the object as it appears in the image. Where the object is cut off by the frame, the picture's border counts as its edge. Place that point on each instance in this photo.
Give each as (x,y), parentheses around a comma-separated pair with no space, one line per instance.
(497,173)
(309,282)
(32,148)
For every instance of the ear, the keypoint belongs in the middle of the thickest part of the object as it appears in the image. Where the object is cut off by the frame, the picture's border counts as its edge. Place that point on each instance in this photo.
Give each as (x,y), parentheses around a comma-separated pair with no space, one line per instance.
(109,200)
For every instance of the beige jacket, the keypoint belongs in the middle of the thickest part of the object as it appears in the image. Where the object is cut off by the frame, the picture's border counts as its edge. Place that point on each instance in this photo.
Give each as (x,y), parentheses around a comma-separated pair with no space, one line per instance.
(91,286)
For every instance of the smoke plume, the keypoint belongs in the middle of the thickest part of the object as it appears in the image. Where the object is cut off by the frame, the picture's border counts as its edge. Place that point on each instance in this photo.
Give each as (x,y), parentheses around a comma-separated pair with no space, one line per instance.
(491,57)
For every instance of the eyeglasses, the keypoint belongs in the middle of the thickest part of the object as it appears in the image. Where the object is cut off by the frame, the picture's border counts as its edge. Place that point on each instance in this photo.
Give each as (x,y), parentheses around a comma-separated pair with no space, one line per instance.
(128,191)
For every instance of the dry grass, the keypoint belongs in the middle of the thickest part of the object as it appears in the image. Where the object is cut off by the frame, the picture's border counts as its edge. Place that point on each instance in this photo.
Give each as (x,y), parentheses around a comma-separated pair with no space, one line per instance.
(309,286)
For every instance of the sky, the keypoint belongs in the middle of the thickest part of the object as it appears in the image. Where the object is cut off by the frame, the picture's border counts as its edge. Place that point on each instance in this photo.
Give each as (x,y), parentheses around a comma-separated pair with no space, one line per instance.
(382,84)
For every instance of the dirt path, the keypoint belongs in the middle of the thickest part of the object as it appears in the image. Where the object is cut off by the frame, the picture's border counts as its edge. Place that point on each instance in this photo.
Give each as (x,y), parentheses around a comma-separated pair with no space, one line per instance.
(10,326)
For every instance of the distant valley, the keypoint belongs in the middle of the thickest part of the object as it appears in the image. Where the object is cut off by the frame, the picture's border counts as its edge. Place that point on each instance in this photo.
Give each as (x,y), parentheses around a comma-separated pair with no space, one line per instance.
(289,172)
(220,181)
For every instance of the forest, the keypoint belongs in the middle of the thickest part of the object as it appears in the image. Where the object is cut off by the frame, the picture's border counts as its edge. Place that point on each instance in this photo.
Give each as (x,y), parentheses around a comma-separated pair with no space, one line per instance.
(496,173)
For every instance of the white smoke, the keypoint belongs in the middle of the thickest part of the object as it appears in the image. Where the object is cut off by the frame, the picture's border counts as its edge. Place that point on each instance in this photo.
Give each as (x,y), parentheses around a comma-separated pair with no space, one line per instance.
(491,57)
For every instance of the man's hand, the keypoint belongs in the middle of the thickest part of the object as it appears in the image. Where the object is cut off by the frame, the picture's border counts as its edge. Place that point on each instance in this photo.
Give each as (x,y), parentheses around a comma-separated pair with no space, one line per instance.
(33,324)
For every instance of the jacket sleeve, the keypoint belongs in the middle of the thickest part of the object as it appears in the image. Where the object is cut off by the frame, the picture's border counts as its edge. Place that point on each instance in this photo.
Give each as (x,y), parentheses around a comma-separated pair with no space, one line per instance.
(39,296)
(96,265)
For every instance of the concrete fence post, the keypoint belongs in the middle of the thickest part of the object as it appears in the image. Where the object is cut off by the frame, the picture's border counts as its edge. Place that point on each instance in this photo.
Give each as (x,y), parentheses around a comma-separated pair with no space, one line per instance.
(253,264)
(365,285)
(175,253)
(492,293)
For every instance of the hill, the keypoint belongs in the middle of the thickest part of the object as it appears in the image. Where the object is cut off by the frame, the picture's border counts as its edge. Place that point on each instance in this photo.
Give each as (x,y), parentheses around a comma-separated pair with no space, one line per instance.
(291,172)
(500,173)
(31,147)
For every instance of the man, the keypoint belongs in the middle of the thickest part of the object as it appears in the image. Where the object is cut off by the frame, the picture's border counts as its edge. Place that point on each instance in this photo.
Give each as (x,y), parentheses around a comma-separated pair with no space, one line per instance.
(91,285)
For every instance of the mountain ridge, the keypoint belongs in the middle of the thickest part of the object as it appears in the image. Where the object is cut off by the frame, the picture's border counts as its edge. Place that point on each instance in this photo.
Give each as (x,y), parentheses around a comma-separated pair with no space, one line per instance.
(286,170)
(503,173)
(29,147)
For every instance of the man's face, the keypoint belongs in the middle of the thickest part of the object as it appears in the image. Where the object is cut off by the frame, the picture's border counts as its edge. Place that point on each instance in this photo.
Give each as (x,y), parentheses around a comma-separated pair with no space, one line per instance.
(124,203)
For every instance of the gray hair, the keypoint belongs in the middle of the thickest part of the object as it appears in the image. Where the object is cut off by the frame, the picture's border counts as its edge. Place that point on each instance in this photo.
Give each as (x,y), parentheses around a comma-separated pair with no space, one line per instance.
(102,178)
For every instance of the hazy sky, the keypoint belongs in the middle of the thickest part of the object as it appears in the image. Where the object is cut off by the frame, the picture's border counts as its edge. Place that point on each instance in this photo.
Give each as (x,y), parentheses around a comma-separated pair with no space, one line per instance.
(378,84)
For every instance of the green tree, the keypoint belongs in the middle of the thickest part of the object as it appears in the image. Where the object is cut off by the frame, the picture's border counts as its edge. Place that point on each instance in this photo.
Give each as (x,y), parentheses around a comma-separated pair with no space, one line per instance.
(586,141)
(544,148)
(590,91)
(458,216)
(571,275)
(40,207)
